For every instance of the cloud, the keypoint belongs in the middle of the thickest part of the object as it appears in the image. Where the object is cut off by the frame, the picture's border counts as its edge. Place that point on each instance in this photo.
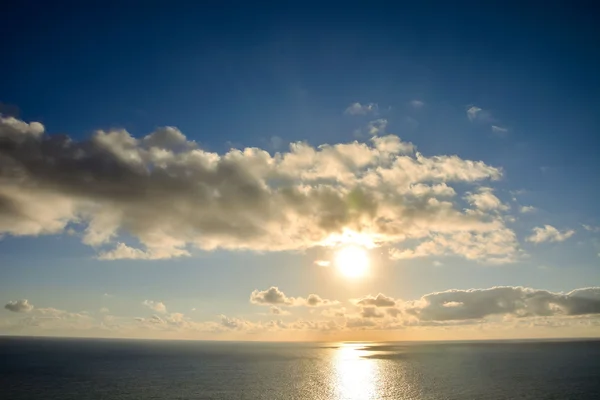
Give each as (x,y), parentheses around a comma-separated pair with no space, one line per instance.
(104,310)
(485,200)
(590,228)
(19,306)
(380,300)
(122,251)
(497,247)
(506,300)
(548,233)
(278,311)
(526,209)
(499,130)
(417,103)
(371,312)
(360,109)
(274,296)
(314,300)
(323,263)
(378,127)
(334,312)
(236,323)
(157,306)
(477,114)
(149,188)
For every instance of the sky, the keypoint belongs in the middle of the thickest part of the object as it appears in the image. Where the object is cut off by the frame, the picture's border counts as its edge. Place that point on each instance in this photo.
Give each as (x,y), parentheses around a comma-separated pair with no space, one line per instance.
(414,172)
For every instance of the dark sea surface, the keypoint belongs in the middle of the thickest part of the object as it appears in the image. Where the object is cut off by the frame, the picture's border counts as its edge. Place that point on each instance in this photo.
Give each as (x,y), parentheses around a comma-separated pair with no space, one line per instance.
(80,369)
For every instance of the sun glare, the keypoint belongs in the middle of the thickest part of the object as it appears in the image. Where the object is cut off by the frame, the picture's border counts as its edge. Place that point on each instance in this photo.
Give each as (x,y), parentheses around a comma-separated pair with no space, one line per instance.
(352,261)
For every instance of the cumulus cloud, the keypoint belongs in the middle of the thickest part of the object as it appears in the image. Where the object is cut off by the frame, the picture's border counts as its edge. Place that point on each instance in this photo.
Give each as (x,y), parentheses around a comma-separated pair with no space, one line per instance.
(548,233)
(417,103)
(19,306)
(380,300)
(149,188)
(361,109)
(157,306)
(516,301)
(274,296)
(371,312)
(485,200)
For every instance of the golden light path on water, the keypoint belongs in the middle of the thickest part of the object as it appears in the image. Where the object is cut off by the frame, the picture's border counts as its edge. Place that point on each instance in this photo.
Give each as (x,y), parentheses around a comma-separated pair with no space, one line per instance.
(356,377)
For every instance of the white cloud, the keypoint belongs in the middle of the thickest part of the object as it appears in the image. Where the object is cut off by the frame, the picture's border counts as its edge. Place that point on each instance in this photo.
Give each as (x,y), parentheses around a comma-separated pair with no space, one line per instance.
(485,200)
(477,114)
(527,209)
(496,247)
(149,189)
(122,251)
(417,103)
(157,306)
(360,109)
(499,130)
(590,228)
(548,233)
(274,296)
(19,306)
(104,310)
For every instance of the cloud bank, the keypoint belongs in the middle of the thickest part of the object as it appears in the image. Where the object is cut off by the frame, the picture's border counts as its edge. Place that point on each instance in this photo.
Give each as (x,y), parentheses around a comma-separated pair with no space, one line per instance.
(493,309)
(170,195)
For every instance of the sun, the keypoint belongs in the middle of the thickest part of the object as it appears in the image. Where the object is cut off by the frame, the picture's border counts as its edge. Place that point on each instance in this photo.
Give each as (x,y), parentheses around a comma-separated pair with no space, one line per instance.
(352,261)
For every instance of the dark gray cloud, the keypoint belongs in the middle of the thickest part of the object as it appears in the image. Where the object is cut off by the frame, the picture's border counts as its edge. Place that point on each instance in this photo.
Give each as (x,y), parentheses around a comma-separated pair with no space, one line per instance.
(19,306)
(506,300)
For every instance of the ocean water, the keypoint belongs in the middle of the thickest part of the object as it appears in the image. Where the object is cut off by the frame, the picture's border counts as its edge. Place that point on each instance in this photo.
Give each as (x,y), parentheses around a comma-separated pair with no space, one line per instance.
(80,369)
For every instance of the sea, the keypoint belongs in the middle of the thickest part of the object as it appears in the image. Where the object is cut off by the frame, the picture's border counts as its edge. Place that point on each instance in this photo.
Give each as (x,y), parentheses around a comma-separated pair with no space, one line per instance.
(82,369)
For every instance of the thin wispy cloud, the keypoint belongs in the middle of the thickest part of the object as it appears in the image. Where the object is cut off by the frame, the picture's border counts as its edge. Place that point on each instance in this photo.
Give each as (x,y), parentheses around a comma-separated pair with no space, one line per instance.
(417,104)
(590,228)
(527,209)
(361,109)
(499,130)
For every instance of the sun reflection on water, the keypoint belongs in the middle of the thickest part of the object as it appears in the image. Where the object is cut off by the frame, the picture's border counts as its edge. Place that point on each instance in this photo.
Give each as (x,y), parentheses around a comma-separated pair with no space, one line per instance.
(356,377)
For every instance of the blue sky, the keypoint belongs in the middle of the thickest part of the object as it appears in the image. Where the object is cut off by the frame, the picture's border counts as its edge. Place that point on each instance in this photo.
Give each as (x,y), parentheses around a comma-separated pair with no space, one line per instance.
(479,125)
